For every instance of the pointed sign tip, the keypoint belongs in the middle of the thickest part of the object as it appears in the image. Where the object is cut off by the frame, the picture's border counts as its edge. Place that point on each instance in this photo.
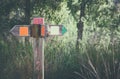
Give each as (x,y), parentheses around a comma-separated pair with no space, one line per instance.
(64,30)
(20,30)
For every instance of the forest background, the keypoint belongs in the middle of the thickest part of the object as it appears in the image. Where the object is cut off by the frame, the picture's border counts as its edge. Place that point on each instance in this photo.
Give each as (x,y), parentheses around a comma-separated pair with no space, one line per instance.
(89,50)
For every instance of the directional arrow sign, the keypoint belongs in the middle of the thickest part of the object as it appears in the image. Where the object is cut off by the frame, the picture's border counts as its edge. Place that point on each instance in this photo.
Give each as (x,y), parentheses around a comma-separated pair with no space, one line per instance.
(20,30)
(56,30)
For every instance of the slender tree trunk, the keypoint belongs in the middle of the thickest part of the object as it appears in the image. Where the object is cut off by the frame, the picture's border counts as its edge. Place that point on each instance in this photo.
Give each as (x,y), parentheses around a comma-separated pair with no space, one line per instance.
(27,11)
(27,16)
(80,24)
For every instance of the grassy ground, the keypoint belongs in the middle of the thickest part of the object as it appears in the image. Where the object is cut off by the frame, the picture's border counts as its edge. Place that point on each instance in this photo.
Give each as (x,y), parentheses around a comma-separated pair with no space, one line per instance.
(62,60)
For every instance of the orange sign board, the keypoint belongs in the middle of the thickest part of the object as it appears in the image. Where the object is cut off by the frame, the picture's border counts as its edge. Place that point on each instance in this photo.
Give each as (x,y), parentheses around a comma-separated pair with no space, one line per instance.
(23,31)
(20,30)
(42,30)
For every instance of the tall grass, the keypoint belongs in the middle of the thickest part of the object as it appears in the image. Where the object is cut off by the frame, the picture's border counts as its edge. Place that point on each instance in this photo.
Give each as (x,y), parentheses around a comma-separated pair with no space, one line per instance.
(62,60)
(90,61)
(100,63)
(15,59)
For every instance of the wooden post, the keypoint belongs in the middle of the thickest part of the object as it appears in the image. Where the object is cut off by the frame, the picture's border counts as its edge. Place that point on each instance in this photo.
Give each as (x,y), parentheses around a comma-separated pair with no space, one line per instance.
(38,49)
(38,31)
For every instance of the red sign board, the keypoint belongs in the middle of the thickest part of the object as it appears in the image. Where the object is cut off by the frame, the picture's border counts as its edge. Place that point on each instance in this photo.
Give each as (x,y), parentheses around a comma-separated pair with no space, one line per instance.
(38,20)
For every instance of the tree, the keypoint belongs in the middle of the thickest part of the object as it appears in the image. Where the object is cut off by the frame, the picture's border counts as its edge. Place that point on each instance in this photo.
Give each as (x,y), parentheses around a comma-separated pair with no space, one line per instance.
(99,12)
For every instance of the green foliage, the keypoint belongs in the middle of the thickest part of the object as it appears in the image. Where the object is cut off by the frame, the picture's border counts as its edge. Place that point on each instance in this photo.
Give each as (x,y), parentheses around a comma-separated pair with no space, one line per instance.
(14,59)
(98,55)
(62,60)
(104,13)
(100,63)
(59,60)
(89,62)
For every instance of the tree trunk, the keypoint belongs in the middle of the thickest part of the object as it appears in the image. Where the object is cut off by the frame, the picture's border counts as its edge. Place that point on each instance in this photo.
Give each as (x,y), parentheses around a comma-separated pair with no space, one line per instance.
(27,16)
(80,24)
(27,11)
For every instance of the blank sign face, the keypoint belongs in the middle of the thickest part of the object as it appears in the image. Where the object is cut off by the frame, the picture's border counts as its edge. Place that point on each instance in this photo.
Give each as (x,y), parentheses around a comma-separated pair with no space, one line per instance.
(54,30)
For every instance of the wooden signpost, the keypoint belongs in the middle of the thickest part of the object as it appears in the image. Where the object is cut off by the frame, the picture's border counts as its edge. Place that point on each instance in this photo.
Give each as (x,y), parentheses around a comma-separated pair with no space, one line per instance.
(38,31)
